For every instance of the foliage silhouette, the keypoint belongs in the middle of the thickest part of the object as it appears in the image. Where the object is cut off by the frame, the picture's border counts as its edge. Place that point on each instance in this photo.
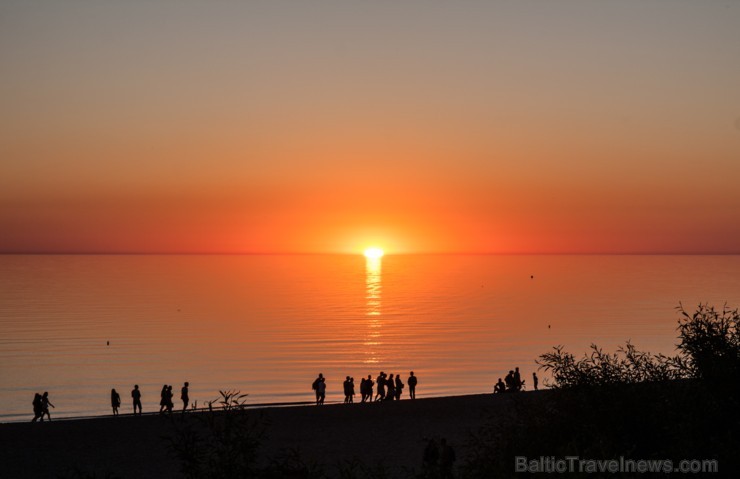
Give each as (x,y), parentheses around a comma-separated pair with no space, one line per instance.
(629,404)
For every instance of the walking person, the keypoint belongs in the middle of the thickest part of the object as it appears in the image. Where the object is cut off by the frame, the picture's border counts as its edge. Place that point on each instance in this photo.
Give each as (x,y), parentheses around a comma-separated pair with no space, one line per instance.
(163,399)
(535,380)
(136,395)
(45,403)
(38,409)
(184,396)
(169,396)
(321,391)
(412,381)
(381,387)
(115,401)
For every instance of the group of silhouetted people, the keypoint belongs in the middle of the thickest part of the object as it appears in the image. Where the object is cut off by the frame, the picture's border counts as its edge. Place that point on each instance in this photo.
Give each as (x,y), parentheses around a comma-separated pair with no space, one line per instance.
(388,388)
(165,402)
(41,405)
(513,382)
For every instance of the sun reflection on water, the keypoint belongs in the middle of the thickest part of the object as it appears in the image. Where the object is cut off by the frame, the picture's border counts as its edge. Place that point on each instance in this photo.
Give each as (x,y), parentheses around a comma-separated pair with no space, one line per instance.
(373,289)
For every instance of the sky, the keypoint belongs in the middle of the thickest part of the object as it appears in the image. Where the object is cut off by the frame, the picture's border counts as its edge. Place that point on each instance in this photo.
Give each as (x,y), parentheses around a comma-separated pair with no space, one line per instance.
(330,126)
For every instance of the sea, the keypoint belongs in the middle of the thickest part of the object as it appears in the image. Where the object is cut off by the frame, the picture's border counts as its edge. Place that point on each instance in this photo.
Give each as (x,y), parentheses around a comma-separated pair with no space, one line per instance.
(78,326)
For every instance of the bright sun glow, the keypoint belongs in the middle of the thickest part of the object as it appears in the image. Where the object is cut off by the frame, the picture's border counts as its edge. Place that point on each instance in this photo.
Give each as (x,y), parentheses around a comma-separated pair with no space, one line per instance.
(373,253)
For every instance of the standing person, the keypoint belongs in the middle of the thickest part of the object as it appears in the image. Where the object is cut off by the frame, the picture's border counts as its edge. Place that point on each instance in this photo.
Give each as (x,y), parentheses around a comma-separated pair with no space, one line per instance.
(363,389)
(351,390)
(184,396)
(517,380)
(509,379)
(345,385)
(535,380)
(136,395)
(369,384)
(390,385)
(321,391)
(38,409)
(115,401)
(399,387)
(315,386)
(412,381)
(45,403)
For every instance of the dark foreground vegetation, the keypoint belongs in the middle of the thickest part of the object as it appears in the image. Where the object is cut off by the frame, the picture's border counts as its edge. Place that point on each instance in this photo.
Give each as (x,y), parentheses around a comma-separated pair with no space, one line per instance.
(630,404)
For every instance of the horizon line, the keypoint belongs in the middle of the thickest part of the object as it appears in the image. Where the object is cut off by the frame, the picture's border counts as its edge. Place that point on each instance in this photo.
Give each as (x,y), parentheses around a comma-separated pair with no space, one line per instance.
(360,253)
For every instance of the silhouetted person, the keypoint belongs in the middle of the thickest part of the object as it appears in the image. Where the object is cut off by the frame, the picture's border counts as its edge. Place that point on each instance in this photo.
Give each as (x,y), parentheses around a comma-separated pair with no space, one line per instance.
(517,380)
(345,385)
(446,459)
(500,387)
(535,380)
(399,386)
(351,390)
(136,395)
(45,403)
(315,386)
(169,395)
(184,396)
(115,401)
(38,408)
(390,386)
(412,381)
(321,391)
(509,380)
(163,399)
(369,384)
(380,381)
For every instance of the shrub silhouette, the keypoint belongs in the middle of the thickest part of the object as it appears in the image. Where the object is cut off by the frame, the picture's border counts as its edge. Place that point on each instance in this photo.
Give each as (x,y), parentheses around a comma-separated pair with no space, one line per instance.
(629,404)
(710,342)
(709,349)
(219,444)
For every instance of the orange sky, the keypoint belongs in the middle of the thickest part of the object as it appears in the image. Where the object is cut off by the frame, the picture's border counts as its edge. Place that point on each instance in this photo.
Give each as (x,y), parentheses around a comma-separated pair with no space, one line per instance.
(478,127)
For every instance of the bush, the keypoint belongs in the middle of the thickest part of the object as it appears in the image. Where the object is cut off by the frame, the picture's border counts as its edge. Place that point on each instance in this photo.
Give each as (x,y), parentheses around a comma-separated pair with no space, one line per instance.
(710,342)
(709,349)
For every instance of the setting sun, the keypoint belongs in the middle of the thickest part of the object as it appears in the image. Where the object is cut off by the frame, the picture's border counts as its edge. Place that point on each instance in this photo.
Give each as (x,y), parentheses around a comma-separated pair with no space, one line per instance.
(374,253)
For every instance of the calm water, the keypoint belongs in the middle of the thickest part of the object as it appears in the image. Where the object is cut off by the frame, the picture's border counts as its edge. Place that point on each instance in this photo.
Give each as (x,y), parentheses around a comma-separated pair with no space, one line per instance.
(266,325)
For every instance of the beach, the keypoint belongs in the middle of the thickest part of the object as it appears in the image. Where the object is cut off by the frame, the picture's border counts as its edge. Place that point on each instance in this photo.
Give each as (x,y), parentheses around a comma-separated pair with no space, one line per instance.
(392,435)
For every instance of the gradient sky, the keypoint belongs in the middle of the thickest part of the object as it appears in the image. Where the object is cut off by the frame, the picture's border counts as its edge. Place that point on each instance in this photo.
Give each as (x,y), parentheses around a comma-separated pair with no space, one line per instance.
(327,126)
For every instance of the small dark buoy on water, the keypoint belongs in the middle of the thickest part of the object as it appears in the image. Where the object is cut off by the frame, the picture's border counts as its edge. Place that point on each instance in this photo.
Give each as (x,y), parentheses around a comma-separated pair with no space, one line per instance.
(107,343)
(548,326)
(531,277)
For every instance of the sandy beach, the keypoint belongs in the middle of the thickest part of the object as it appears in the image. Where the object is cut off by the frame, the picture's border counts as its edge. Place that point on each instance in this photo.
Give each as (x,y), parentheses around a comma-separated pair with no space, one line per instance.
(391,434)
